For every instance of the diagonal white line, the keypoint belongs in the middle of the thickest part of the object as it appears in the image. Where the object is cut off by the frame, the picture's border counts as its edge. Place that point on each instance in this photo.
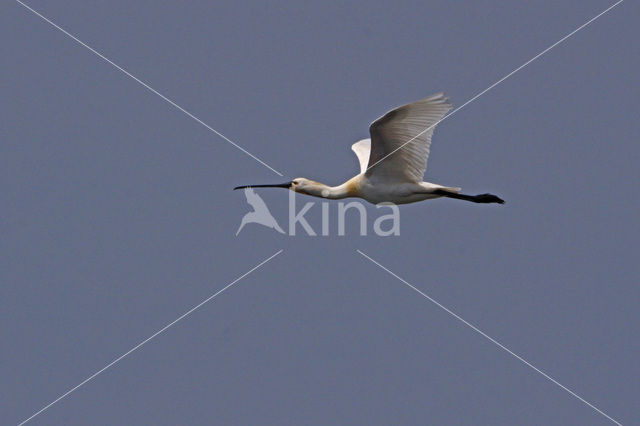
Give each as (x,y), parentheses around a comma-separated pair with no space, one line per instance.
(492,340)
(149,338)
(498,82)
(146,86)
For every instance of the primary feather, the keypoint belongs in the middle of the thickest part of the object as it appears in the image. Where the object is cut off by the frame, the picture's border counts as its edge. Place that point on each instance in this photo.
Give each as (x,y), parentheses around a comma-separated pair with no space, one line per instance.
(392,156)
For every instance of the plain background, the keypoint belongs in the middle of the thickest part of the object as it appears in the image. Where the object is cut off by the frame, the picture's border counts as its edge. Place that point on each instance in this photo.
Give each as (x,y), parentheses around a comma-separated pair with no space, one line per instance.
(118,214)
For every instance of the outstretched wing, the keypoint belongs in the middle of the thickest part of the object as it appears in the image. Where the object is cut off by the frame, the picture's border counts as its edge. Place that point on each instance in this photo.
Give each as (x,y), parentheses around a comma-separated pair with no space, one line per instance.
(401,138)
(362,149)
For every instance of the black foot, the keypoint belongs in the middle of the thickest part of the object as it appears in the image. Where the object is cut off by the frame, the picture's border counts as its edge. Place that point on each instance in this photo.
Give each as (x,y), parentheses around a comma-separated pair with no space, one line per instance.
(488,198)
(481,198)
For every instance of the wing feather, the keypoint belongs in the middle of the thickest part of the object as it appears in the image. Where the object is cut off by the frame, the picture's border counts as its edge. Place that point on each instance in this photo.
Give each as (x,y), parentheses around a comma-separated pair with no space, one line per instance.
(392,156)
(362,149)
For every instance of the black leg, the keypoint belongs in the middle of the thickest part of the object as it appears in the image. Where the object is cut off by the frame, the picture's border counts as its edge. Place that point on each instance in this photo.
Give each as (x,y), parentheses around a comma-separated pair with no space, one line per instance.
(481,198)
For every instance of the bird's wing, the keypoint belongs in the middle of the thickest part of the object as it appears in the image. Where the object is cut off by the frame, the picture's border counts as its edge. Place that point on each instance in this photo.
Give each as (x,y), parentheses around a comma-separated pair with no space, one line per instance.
(393,157)
(362,149)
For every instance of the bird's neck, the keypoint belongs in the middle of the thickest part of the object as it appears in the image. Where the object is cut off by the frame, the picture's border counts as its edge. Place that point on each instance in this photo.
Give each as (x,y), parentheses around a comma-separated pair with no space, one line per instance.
(345,190)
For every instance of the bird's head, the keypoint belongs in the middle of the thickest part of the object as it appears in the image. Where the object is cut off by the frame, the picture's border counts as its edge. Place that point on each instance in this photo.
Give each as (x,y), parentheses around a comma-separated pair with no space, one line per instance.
(307,186)
(301,185)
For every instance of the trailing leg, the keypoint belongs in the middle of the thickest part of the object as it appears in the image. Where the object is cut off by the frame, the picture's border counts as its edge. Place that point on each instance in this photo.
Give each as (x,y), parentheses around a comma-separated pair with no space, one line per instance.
(480,198)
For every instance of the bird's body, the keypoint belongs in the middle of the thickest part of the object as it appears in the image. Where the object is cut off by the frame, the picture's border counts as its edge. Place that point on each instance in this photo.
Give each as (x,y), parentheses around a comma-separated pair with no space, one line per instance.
(393,161)
(361,186)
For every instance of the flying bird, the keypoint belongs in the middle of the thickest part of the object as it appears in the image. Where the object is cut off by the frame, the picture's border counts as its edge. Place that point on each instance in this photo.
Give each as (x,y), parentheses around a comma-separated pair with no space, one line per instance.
(392,161)
(260,213)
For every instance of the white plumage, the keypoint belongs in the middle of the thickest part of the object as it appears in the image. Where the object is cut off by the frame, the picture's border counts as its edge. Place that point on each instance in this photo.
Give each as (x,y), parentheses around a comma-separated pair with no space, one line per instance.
(403,136)
(394,160)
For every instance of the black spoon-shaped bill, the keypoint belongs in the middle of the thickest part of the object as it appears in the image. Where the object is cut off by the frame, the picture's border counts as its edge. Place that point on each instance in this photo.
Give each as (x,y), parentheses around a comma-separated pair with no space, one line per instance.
(271,185)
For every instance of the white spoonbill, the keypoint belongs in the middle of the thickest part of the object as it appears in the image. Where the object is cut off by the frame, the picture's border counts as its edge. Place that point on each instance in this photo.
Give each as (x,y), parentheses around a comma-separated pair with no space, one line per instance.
(393,161)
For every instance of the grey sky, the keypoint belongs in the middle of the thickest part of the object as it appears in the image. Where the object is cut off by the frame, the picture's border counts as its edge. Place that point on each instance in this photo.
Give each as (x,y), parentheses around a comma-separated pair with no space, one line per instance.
(118,215)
